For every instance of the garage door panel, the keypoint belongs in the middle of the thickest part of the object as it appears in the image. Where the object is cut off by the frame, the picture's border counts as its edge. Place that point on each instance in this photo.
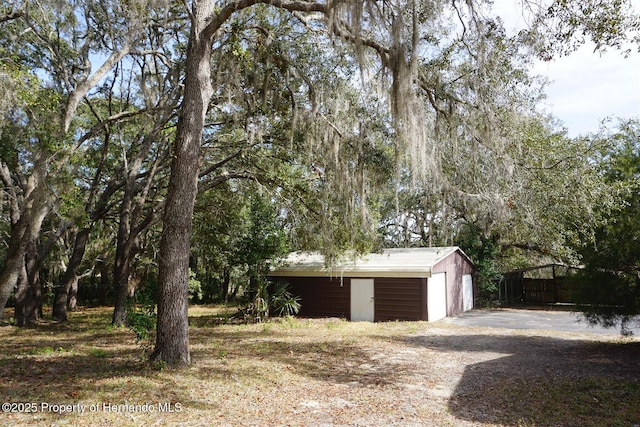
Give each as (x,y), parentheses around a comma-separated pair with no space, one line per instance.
(437,297)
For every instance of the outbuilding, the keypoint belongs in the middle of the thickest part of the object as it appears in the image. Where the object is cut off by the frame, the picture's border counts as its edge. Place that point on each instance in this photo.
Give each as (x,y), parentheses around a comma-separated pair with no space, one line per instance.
(397,284)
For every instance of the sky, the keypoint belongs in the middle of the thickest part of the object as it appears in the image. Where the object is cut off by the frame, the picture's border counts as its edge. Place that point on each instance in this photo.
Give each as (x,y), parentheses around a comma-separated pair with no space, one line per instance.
(586,86)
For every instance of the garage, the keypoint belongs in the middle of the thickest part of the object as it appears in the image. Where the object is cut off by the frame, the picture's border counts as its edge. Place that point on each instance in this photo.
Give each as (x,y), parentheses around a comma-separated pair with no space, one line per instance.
(396,284)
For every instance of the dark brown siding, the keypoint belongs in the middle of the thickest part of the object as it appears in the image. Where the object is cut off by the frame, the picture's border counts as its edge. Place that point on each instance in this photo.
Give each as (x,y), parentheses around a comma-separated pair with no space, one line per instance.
(455,265)
(321,296)
(399,299)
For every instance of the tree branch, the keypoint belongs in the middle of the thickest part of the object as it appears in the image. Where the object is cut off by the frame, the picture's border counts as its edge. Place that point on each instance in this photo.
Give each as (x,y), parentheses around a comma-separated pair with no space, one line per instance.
(226,160)
(528,246)
(46,248)
(103,123)
(221,179)
(292,6)
(5,176)
(85,86)
(344,31)
(12,16)
(192,18)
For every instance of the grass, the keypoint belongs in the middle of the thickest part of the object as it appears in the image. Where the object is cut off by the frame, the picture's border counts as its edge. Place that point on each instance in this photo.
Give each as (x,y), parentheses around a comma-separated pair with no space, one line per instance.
(309,372)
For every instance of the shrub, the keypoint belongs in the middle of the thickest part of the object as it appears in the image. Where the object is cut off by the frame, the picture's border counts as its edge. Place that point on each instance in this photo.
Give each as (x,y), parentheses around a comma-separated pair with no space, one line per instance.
(141,317)
(270,298)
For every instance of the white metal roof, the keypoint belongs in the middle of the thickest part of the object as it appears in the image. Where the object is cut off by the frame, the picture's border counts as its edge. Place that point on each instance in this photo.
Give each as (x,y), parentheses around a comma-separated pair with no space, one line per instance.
(401,262)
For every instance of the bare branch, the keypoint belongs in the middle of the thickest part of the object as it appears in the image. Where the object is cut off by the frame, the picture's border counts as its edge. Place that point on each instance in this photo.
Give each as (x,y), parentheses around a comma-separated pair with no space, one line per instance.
(46,248)
(189,11)
(85,86)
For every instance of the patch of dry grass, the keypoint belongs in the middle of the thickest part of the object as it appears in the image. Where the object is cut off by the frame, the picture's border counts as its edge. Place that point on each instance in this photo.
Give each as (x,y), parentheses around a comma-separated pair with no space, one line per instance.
(318,372)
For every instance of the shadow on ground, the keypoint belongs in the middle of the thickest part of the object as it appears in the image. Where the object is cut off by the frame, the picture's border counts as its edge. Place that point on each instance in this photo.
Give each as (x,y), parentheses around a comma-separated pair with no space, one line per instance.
(330,360)
(543,381)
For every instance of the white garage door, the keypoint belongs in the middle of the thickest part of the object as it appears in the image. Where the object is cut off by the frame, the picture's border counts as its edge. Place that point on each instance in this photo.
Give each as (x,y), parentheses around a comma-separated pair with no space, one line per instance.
(437,297)
(467,292)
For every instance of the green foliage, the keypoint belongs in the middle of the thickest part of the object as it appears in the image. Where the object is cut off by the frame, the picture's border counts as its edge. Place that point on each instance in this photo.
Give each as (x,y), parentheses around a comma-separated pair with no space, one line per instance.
(141,317)
(142,321)
(236,237)
(283,302)
(257,310)
(610,282)
(271,298)
(46,350)
(264,238)
(499,170)
(608,298)
(195,287)
(562,26)
(532,194)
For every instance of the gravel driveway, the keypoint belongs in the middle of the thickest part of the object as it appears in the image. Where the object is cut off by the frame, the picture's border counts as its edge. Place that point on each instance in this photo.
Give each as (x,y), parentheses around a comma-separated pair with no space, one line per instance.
(564,321)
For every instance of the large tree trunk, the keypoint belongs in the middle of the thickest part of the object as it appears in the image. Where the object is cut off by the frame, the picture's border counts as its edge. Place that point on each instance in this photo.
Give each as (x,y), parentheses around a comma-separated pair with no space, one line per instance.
(121,272)
(72,298)
(29,294)
(22,287)
(70,276)
(13,268)
(172,336)
(121,267)
(26,230)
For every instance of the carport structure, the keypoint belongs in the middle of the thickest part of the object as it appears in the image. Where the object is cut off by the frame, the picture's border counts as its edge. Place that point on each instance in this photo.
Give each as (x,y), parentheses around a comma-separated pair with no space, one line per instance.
(543,284)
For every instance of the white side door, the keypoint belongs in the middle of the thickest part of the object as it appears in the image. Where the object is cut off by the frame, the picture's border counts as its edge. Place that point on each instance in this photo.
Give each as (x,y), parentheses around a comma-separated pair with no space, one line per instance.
(362,302)
(437,297)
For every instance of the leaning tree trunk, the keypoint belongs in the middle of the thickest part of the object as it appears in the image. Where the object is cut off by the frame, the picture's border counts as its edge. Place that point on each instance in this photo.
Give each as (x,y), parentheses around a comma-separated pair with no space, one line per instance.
(70,276)
(172,336)
(124,247)
(72,297)
(13,272)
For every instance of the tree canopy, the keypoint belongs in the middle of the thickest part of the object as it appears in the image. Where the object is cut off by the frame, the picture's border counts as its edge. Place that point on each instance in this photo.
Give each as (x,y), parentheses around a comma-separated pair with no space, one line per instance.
(610,291)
